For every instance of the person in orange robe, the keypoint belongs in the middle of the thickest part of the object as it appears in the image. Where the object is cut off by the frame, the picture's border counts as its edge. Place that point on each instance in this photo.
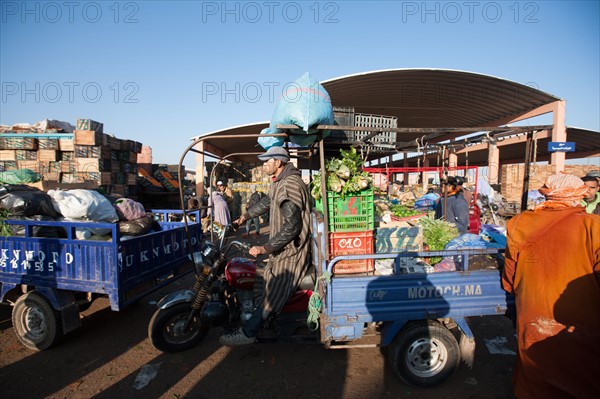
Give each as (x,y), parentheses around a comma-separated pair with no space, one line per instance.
(553,268)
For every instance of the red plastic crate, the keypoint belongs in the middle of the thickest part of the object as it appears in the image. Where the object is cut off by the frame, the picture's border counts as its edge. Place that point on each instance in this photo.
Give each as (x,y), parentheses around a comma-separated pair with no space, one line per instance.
(352,243)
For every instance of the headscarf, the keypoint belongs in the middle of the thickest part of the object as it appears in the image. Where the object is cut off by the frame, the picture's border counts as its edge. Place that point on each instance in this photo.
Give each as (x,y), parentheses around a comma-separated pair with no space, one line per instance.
(562,191)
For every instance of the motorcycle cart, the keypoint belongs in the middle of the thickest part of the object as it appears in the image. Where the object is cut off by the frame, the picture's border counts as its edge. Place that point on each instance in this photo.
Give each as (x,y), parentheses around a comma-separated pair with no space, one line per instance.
(49,281)
(419,318)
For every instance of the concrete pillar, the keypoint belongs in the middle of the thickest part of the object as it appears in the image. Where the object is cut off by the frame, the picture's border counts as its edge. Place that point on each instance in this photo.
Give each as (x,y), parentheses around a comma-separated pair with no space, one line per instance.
(559,133)
(493,163)
(452,162)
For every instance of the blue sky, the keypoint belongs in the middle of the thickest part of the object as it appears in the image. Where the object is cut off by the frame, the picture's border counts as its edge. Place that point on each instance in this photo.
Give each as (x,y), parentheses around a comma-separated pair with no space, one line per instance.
(162,72)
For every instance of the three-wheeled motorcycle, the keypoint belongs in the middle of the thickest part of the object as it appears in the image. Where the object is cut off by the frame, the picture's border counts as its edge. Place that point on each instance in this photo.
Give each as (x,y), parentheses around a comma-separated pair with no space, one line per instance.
(420,318)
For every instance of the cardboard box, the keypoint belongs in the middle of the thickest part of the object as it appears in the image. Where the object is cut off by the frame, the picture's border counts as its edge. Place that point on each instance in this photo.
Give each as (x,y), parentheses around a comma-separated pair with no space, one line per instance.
(88,137)
(88,124)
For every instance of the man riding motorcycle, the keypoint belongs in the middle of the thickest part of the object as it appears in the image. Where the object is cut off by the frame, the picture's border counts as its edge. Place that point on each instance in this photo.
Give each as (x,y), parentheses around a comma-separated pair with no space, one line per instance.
(288,204)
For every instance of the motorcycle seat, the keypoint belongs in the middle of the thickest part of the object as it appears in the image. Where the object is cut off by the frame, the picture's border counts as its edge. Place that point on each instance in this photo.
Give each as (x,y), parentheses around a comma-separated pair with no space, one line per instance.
(309,279)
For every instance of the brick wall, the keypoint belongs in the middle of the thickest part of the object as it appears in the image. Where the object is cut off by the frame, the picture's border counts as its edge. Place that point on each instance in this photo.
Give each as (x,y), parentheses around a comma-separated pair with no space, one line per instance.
(512,177)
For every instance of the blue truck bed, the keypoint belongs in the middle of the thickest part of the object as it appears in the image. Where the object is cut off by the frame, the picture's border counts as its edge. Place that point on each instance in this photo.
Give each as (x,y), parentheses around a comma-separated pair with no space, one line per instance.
(352,301)
(123,269)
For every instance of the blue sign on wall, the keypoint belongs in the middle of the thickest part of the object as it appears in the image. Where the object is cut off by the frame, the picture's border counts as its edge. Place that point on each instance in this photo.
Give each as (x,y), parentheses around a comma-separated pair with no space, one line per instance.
(564,146)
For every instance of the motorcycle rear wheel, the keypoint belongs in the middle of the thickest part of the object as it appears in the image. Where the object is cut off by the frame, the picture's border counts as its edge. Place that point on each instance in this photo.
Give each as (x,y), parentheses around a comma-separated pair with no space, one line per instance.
(166,329)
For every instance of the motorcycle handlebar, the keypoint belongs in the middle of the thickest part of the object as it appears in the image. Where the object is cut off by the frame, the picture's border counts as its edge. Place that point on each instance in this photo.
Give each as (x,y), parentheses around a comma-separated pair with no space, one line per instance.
(241,245)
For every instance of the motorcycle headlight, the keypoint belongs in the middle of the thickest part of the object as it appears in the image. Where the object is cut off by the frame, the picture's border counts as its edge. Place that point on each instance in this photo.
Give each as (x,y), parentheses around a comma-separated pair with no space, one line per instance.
(209,250)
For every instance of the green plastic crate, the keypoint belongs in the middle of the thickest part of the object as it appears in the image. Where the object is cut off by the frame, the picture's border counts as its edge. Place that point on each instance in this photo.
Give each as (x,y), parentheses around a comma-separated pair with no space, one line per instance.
(354,212)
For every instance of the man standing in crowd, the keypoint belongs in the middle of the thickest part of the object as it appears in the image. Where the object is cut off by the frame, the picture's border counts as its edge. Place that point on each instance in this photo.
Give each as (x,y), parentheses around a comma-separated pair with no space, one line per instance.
(453,205)
(253,200)
(553,268)
(288,203)
(591,200)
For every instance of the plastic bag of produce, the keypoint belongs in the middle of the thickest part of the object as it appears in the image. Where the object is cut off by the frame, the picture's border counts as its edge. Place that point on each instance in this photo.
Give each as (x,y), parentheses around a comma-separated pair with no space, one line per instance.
(86,233)
(304,103)
(26,201)
(128,209)
(427,202)
(83,205)
(137,227)
(19,176)
(18,230)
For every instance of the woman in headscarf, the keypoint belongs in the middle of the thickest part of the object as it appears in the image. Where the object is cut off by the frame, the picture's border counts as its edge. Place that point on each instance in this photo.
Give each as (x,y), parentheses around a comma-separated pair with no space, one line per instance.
(218,208)
(553,268)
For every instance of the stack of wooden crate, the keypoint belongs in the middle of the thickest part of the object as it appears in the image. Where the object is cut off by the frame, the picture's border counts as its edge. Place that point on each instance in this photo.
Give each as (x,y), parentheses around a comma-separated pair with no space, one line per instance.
(89,156)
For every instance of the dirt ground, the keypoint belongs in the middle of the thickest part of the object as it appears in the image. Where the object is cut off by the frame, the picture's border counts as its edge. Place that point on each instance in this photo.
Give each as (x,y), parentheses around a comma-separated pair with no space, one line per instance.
(111,357)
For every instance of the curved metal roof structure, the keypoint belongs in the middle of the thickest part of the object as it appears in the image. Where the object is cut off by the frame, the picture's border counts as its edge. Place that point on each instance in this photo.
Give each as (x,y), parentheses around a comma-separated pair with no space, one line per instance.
(435,97)
(418,98)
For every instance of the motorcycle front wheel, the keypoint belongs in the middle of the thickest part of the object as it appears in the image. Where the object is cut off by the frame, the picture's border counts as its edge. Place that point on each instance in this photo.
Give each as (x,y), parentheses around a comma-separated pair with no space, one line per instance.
(166,329)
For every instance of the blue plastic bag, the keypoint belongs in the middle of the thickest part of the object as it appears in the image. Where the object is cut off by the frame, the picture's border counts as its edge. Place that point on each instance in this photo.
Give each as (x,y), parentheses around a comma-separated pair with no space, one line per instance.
(304,103)
(268,142)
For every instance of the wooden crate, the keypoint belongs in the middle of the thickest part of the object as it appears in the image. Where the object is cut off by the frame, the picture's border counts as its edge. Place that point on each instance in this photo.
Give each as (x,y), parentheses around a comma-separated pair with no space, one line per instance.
(48,144)
(32,165)
(100,177)
(68,166)
(93,165)
(8,155)
(88,124)
(66,155)
(18,143)
(66,145)
(88,137)
(114,143)
(398,239)
(51,176)
(131,179)
(25,155)
(47,155)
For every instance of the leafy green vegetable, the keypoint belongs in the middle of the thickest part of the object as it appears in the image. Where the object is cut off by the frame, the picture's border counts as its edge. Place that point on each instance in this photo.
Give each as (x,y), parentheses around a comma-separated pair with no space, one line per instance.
(334,183)
(5,229)
(344,175)
(316,187)
(437,233)
(402,211)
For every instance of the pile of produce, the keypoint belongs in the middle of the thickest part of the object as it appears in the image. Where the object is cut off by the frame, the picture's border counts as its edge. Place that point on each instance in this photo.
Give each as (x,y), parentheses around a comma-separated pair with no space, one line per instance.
(5,229)
(437,233)
(344,175)
(402,211)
